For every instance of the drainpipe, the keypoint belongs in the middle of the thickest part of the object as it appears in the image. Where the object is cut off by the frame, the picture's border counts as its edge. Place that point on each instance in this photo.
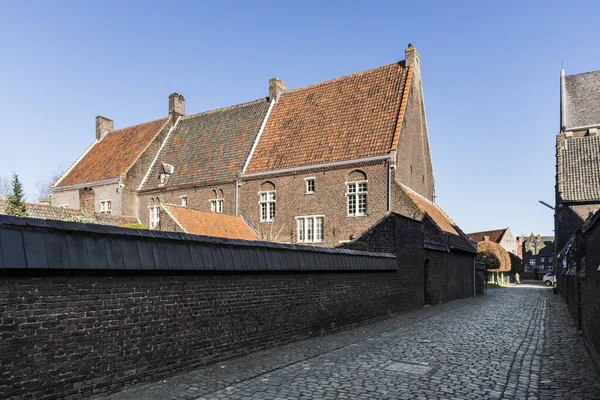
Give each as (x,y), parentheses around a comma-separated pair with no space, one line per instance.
(389,196)
(237,185)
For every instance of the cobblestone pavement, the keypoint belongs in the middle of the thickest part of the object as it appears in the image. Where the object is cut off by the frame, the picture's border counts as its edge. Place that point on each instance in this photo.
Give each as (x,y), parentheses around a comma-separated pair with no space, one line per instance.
(506,345)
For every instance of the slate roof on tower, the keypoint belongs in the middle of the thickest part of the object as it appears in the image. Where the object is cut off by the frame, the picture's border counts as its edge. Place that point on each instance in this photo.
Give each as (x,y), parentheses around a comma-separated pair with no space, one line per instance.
(113,155)
(347,118)
(579,169)
(581,100)
(209,147)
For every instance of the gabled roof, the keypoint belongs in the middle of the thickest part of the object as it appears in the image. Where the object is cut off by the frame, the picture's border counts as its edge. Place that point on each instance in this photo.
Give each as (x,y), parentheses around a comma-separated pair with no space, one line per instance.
(210,146)
(493,236)
(579,169)
(581,100)
(210,223)
(441,220)
(347,118)
(113,155)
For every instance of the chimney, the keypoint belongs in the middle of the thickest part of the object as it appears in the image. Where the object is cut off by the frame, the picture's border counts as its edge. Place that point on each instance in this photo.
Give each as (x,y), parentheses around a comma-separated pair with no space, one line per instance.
(276,87)
(103,127)
(412,57)
(176,105)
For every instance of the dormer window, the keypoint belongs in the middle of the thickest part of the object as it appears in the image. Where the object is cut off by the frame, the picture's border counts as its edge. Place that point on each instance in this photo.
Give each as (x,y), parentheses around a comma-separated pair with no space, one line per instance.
(167,171)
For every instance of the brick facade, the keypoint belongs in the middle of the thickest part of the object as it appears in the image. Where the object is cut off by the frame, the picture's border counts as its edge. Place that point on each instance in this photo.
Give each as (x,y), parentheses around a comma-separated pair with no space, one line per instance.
(590,292)
(95,333)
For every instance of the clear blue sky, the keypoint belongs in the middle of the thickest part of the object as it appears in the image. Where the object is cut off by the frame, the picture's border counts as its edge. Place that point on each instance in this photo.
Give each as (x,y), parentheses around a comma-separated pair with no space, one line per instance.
(490,75)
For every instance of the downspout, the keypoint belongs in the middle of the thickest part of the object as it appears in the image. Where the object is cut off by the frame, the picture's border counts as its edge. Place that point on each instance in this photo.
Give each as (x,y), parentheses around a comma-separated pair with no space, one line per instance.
(237,185)
(389,186)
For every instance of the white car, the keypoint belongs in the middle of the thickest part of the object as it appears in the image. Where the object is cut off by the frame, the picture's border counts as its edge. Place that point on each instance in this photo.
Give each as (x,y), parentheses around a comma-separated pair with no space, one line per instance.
(550,279)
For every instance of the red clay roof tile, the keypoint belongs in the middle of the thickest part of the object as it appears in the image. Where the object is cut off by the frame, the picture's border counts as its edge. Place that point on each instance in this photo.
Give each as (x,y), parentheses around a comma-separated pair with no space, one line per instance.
(114,154)
(210,223)
(342,119)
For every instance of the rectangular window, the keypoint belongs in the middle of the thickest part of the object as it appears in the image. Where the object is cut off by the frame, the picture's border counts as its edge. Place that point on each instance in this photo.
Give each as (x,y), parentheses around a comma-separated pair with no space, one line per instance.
(357,199)
(310,229)
(184,201)
(216,205)
(154,217)
(310,185)
(532,262)
(542,259)
(105,206)
(267,206)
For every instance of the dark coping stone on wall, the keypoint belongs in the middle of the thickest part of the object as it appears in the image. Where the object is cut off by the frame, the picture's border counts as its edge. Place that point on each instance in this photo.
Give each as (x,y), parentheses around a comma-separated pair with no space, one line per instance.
(40,244)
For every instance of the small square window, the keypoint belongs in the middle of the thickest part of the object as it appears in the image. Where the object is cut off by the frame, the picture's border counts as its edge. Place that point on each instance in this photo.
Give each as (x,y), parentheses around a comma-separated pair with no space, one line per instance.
(105,207)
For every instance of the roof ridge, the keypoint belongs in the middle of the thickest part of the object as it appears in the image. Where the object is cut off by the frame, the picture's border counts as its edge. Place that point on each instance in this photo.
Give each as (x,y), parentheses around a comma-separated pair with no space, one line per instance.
(583,73)
(136,125)
(225,108)
(353,75)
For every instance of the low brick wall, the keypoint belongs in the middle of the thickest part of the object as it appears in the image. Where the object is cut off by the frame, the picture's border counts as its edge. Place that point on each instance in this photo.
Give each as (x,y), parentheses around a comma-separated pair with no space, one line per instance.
(86,309)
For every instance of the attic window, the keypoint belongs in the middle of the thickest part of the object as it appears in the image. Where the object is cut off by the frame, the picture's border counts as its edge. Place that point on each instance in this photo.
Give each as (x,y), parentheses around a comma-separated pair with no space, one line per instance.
(167,171)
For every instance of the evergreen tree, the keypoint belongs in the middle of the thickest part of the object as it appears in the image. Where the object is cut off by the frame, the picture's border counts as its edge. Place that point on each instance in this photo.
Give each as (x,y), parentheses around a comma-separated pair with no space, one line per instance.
(14,202)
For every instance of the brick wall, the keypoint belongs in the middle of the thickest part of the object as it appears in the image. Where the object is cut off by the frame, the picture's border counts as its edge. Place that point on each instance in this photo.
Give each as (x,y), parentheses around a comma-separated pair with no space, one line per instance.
(590,292)
(328,200)
(413,160)
(570,218)
(86,309)
(80,334)
(198,198)
(68,198)
(449,276)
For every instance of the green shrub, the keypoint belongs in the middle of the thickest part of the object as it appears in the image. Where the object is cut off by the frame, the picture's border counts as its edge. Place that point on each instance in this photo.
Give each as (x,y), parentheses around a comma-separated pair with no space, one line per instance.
(134,226)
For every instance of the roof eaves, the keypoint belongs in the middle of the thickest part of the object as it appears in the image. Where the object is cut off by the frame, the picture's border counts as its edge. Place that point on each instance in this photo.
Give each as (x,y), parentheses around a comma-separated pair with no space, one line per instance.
(402,109)
(85,184)
(55,184)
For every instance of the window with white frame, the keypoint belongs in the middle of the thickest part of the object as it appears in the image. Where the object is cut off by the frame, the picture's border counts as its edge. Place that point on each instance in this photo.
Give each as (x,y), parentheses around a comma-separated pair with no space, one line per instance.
(267,206)
(184,201)
(105,206)
(154,216)
(357,198)
(310,185)
(542,259)
(310,229)
(532,262)
(216,205)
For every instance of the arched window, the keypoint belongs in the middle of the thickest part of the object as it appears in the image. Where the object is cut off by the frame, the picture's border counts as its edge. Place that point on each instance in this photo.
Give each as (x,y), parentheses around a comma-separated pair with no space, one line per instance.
(356,193)
(154,209)
(216,203)
(267,202)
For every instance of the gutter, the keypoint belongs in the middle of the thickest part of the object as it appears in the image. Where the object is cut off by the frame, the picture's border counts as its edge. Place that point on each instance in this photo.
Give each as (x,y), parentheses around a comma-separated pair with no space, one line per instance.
(316,166)
(581,128)
(85,184)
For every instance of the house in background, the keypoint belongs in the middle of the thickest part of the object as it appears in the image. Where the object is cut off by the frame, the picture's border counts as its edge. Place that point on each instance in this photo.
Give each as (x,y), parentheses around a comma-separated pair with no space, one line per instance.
(503,237)
(537,251)
(577,154)
(105,178)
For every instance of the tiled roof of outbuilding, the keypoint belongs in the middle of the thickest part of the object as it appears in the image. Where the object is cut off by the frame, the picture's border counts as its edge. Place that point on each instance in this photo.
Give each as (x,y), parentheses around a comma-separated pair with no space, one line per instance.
(493,236)
(582,100)
(210,146)
(114,154)
(441,220)
(210,223)
(579,169)
(342,119)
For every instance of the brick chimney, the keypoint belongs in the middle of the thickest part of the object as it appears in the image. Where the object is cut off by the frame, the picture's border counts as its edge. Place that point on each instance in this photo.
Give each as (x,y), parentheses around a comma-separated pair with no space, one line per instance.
(176,105)
(103,127)
(276,87)
(412,57)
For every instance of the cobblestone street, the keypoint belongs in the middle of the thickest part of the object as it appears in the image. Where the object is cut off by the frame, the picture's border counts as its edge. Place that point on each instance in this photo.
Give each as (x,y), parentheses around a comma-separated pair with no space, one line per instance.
(509,344)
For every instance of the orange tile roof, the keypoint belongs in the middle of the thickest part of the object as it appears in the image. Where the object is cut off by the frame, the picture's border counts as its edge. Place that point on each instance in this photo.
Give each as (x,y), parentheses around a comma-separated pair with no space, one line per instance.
(440,219)
(342,119)
(114,154)
(210,223)
(494,236)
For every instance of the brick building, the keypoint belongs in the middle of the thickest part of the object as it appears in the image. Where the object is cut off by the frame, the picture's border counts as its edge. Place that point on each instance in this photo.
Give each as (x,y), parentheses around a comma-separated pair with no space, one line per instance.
(319,165)
(537,252)
(503,237)
(577,153)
